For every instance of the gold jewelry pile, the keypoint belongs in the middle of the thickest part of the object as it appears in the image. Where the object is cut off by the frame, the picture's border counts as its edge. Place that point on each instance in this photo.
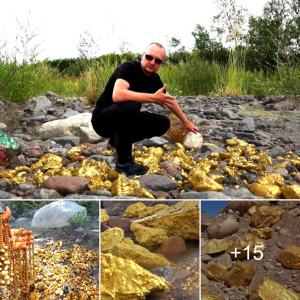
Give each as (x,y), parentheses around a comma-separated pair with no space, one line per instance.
(17,267)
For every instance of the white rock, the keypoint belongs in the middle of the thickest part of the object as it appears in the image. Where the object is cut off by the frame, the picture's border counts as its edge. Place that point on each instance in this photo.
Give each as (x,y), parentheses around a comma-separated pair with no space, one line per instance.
(42,105)
(192,140)
(21,220)
(56,214)
(79,125)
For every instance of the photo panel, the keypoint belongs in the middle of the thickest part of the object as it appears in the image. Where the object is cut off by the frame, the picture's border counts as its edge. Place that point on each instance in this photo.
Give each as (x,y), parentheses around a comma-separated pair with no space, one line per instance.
(49,249)
(250,249)
(150,249)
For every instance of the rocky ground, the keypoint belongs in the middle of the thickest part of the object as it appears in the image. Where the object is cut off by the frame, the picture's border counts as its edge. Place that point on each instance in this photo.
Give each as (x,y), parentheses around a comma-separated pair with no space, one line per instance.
(216,170)
(281,226)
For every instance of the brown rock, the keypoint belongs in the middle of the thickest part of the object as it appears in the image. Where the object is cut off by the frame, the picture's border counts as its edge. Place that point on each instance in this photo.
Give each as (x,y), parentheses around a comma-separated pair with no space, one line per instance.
(173,246)
(234,206)
(66,185)
(78,158)
(183,274)
(158,295)
(36,153)
(172,168)
(221,228)
(104,227)
(122,223)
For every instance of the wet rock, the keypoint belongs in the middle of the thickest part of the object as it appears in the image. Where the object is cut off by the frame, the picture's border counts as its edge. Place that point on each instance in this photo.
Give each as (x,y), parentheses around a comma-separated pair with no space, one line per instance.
(173,246)
(182,274)
(66,185)
(122,223)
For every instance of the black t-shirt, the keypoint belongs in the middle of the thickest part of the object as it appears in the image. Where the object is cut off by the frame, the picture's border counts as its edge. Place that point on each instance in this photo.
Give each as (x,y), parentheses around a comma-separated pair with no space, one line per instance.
(132,72)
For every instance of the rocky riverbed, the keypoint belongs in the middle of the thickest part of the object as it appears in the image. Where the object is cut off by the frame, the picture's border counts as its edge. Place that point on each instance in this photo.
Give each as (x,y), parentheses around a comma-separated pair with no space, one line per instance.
(271,269)
(250,150)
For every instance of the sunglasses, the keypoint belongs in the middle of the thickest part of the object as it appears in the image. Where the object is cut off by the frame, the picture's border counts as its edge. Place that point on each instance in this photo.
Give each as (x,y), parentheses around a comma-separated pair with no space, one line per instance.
(150,58)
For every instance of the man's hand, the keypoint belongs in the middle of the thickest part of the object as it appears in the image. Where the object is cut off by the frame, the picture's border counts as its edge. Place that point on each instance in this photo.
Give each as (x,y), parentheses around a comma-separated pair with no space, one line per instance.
(164,100)
(188,125)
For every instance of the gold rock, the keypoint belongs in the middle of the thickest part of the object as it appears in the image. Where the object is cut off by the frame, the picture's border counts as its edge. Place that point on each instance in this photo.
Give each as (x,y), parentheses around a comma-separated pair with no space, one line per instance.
(267,191)
(138,254)
(104,216)
(291,191)
(201,183)
(133,210)
(123,279)
(130,187)
(262,233)
(149,211)
(215,246)
(264,160)
(239,245)
(215,272)
(240,275)
(270,179)
(181,219)
(265,216)
(150,159)
(147,236)
(205,295)
(113,236)
(76,151)
(48,161)
(113,175)
(290,257)
(266,289)
(108,153)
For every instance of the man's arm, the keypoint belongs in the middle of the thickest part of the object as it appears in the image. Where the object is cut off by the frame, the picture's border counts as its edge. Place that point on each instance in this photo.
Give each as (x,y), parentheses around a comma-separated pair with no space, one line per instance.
(176,110)
(122,93)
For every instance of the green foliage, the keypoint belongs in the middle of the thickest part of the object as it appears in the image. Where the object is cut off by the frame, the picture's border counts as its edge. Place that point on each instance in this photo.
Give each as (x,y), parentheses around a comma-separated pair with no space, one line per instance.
(78,219)
(42,230)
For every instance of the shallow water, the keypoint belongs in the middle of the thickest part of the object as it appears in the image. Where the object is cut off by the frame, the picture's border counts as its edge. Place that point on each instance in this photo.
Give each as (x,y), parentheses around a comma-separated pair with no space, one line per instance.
(187,289)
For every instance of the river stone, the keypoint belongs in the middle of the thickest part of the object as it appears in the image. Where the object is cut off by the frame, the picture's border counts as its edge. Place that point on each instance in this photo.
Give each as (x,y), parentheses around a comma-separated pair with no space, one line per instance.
(69,113)
(73,140)
(66,185)
(155,142)
(248,124)
(79,125)
(229,114)
(56,214)
(157,182)
(192,141)
(42,105)
(204,195)
(276,151)
(51,95)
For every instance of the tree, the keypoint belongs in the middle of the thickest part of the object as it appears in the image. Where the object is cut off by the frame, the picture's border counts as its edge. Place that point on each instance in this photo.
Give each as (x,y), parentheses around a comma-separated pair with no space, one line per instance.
(230,22)
(276,33)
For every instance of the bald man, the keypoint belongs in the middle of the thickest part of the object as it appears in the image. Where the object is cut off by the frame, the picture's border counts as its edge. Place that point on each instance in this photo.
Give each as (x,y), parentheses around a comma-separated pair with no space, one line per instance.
(117,114)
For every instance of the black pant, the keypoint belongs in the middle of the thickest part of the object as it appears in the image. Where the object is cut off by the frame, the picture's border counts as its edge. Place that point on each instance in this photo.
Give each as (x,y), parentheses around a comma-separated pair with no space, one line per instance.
(126,120)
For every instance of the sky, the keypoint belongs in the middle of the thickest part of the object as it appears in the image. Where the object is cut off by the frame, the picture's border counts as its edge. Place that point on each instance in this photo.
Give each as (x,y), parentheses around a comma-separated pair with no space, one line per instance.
(114,25)
(212,207)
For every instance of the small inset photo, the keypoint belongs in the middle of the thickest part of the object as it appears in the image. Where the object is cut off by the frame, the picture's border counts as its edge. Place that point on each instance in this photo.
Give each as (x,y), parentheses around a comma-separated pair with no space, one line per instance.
(250,249)
(49,250)
(150,250)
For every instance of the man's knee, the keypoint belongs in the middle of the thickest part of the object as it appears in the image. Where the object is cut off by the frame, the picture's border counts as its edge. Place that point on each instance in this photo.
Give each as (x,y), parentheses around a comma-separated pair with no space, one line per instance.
(130,107)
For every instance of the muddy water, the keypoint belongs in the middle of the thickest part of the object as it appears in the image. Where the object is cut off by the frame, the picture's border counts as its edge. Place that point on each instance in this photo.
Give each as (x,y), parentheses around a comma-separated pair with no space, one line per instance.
(187,289)
(9,115)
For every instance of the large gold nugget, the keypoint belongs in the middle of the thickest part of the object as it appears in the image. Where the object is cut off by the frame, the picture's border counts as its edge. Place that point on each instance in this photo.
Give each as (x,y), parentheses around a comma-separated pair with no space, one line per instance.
(268,191)
(239,245)
(290,257)
(147,236)
(266,289)
(291,191)
(215,246)
(265,216)
(181,219)
(113,236)
(240,275)
(133,210)
(262,233)
(215,272)
(203,183)
(123,279)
